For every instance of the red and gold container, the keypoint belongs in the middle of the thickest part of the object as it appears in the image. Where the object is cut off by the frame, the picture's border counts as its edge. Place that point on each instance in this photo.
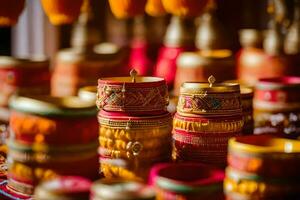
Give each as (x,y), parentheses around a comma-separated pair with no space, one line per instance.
(120,189)
(50,137)
(66,187)
(62,11)
(188,181)
(255,168)
(76,68)
(10,11)
(25,76)
(133,95)
(198,66)
(127,8)
(277,107)
(130,145)
(179,38)
(207,116)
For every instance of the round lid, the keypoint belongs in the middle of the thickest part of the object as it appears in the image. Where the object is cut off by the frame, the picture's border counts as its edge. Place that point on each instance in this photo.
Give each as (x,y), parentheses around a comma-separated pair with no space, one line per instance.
(133,80)
(73,55)
(199,58)
(210,87)
(8,61)
(264,144)
(69,187)
(88,93)
(117,189)
(246,92)
(106,48)
(286,82)
(53,106)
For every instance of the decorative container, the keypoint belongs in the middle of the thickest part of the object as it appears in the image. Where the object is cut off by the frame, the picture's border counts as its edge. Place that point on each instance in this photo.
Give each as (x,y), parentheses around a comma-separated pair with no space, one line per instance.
(188,181)
(127,8)
(8,193)
(247,94)
(179,38)
(255,168)
(75,68)
(198,66)
(62,11)
(120,189)
(10,11)
(68,187)
(133,95)
(276,106)
(207,116)
(24,76)
(130,145)
(42,145)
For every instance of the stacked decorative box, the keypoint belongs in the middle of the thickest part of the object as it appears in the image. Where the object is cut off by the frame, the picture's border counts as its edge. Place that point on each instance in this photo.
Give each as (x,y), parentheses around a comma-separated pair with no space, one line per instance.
(277,106)
(262,167)
(135,127)
(207,116)
(49,137)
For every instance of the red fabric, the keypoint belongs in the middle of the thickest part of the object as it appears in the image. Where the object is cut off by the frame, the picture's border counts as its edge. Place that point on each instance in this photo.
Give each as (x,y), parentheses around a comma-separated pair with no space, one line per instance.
(166,63)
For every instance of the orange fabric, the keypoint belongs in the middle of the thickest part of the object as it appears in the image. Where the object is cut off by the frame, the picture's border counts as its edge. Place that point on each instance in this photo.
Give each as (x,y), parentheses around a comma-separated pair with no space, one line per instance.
(62,11)
(185,7)
(127,8)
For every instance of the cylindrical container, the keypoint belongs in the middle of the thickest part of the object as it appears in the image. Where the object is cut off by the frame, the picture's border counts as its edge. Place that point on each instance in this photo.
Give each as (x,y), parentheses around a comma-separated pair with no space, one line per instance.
(247,107)
(198,66)
(68,187)
(119,189)
(188,181)
(10,11)
(88,93)
(207,116)
(277,106)
(255,168)
(130,145)
(76,68)
(133,95)
(265,156)
(49,137)
(24,76)
(179,38)
(62,11)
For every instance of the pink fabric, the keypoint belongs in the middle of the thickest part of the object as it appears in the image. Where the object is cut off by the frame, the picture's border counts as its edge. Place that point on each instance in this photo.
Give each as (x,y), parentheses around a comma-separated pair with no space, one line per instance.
(139,58)
(166,63)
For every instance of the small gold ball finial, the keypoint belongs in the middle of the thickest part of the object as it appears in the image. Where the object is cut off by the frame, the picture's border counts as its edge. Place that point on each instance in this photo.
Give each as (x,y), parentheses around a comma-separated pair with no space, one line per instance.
(211,80)
(133,74)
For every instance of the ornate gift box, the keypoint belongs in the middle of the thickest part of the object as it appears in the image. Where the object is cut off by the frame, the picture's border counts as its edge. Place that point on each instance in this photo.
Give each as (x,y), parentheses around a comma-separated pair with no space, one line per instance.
(76,68)
(262,167)
(208,114)
(129,145)
(25,76)
(143,96)
(50,137)
(276,106)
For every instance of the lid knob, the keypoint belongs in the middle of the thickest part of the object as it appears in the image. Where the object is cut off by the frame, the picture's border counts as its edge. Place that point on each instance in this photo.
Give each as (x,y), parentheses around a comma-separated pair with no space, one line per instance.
(133,74)
(211,80)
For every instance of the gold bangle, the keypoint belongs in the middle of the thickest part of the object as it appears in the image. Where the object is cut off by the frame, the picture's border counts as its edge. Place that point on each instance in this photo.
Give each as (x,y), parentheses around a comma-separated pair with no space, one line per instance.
(135,134)
(209,126)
